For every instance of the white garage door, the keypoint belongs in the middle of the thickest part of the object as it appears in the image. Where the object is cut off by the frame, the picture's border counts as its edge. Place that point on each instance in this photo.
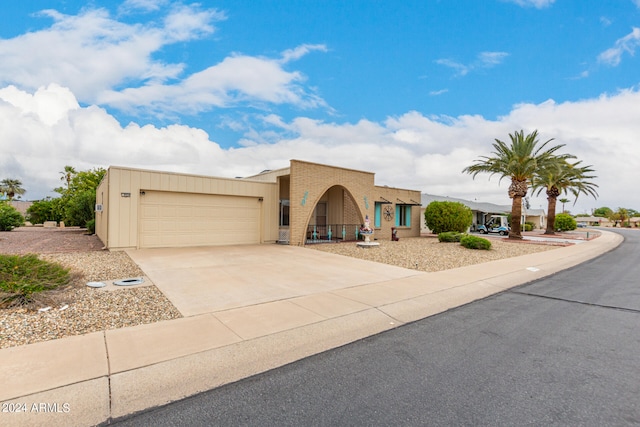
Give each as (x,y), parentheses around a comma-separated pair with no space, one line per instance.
(170,219)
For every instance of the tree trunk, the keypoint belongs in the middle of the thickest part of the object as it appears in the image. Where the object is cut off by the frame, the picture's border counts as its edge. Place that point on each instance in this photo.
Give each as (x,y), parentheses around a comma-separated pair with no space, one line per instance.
(516,218)
(552,197)
(551,215)
(517,190)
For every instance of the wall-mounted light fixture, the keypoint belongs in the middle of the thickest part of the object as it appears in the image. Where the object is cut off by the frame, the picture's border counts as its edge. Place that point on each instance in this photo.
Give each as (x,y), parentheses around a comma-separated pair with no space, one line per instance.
(142,193)
(125,194)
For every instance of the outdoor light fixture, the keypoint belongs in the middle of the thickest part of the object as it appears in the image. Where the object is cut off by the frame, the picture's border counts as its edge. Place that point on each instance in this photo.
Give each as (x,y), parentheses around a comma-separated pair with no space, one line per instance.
(125,194)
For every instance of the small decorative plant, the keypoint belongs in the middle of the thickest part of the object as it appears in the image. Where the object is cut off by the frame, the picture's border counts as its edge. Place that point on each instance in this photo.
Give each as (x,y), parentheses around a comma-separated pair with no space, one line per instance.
(475,242)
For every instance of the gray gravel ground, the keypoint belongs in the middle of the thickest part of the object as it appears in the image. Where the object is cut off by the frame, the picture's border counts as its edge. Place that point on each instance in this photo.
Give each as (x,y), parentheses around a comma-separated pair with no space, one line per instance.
(87,309)
(80,309)
(427,254)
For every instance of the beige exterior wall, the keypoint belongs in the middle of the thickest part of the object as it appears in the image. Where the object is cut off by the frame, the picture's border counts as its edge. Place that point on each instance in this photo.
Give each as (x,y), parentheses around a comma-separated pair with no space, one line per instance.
(349,194)
(122,211)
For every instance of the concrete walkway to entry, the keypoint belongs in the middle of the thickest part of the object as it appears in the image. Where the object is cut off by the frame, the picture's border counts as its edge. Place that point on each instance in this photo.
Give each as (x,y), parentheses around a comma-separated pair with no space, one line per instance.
(247,309)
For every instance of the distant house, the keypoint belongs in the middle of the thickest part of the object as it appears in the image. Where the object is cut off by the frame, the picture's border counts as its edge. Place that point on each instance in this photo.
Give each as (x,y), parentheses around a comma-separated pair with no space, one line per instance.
(482,211)
(21,206)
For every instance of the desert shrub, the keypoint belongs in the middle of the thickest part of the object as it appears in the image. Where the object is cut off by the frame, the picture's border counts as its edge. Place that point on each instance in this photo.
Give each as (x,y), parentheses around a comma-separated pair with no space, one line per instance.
(529,226)
(475,242)
(91,226)
(565,222)
(448,216)
(80,208)
(45,210)
(10,218)
(450,236)
(24,276)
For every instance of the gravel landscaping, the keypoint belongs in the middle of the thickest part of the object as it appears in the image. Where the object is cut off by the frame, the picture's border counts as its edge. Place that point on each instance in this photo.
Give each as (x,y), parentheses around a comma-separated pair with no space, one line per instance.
(428,254)
(80,309)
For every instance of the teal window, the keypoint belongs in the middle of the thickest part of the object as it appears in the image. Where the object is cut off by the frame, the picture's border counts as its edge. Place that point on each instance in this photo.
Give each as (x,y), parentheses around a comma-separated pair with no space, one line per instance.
(403,215)
(378,214)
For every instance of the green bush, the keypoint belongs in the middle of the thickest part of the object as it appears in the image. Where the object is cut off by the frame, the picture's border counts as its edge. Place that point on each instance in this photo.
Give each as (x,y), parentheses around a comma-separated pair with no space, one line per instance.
(475,242)
(447,216)
(528,226)
(91,226)
(45,210)
(565,222)
(450,236)
(80,208)
(10,218)
(24,276)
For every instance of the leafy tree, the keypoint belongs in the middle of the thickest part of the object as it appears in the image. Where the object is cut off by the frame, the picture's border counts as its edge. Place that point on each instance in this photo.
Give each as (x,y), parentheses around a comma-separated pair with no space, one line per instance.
(448,216)
(45,210)
(559,176)
(78,198)
(11,187)
(10,218)
(519,161)
(603,212)
(620,216)
(565,222)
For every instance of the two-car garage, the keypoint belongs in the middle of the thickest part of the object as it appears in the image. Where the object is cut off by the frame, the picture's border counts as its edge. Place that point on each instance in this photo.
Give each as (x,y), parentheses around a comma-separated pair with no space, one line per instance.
(150,209)
(190,219)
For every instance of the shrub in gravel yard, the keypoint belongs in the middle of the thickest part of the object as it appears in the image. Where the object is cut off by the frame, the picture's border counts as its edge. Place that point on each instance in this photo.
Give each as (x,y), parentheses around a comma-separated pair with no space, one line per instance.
(10,218)
(23,277)
(475,242)
(450,236)
(565,222)
(447,216)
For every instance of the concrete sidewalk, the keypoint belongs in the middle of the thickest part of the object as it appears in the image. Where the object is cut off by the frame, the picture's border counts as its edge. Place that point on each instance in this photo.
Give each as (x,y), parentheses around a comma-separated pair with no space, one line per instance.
(89,379)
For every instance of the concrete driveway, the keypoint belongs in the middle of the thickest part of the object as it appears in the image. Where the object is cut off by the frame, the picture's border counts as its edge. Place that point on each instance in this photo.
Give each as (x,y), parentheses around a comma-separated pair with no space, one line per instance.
(200,280)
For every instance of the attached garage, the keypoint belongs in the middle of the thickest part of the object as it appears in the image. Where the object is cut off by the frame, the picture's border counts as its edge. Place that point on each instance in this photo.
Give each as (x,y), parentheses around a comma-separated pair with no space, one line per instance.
(171,219)
(138,208)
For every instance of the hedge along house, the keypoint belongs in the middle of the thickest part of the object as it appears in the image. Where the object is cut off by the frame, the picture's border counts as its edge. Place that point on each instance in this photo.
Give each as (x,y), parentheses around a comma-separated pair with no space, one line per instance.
(304,203)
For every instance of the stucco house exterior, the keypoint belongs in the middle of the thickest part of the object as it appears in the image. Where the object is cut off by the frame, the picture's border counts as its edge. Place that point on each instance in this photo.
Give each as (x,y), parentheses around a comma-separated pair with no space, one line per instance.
(303,203)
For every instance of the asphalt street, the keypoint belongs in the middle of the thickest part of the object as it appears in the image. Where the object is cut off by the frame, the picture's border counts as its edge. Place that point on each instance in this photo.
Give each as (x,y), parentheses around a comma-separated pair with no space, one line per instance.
(564,350)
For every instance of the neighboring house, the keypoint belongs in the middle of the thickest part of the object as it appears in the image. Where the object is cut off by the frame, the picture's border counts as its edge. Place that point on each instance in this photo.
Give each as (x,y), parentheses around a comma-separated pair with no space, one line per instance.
(21,206)
(482,211)
(594,221)
(304,203)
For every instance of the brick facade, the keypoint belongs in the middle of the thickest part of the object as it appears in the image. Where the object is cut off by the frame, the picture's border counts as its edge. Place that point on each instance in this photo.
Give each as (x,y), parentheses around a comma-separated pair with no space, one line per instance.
(311,183)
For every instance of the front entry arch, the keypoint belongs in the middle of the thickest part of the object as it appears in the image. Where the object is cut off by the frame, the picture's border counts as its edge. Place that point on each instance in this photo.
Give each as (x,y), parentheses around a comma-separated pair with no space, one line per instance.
(335,216)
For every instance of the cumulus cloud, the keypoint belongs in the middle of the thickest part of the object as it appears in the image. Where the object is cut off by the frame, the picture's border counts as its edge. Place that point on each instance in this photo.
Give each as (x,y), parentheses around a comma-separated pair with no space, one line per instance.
(44,130)
(628,44)
(538,4)
(96,55)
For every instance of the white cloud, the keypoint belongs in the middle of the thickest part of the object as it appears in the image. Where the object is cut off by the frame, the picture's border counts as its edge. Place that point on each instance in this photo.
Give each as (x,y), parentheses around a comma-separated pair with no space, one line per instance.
(483,60)
(95,56)
(628,43)
(538,4)
(44,130)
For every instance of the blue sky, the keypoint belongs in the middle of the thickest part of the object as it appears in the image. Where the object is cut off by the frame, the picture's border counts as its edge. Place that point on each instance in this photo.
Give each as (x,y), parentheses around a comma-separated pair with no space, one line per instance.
(412,90)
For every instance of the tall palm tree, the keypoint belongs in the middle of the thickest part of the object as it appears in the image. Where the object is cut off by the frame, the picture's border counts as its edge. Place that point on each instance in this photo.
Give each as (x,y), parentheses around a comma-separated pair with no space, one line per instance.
(67,174)
(563,201)
(518,161)
(11,187)
(560,176)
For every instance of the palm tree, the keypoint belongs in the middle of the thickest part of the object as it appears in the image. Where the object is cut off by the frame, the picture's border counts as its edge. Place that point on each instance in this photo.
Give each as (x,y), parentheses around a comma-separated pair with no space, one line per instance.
(11,187)
(67,174)
(563,201)
(518,161)
(560,176)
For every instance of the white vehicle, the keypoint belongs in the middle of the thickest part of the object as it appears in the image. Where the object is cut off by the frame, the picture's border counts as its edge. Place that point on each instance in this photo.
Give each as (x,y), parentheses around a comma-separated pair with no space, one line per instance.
(496,224)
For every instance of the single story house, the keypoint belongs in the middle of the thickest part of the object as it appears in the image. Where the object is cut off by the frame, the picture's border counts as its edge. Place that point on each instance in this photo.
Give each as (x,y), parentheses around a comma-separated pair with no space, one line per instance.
(303,203)
(482,211)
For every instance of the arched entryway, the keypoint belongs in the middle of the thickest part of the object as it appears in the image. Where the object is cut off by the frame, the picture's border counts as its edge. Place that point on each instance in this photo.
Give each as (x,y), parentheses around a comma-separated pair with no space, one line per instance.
(335,216)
